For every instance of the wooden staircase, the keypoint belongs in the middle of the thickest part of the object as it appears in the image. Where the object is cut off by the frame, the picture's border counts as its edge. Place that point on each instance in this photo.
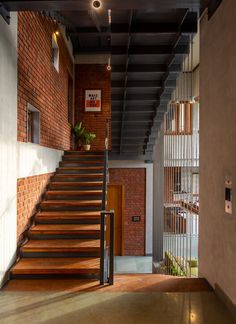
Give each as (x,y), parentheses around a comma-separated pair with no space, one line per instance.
(65,238)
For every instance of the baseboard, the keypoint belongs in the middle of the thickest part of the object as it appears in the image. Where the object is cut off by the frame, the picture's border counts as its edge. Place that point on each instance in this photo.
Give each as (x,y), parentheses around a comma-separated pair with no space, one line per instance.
(226,300)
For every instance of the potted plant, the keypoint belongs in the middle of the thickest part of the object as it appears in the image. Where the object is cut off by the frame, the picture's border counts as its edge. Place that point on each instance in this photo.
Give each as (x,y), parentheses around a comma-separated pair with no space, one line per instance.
(88,138)
(79,131)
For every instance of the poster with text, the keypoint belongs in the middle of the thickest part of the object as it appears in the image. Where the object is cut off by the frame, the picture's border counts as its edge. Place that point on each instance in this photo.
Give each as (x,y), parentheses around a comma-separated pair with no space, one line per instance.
(93,100)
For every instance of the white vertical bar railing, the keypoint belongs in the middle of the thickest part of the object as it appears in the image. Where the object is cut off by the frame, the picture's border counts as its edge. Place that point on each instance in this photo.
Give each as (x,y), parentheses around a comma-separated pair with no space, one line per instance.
(181,174)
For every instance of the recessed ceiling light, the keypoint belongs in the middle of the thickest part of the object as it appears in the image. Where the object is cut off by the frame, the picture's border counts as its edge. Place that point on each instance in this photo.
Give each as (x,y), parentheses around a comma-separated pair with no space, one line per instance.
(96,4)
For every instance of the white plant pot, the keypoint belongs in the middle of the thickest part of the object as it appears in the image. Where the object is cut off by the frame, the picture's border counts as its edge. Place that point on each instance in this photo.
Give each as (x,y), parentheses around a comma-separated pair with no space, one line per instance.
(87,147)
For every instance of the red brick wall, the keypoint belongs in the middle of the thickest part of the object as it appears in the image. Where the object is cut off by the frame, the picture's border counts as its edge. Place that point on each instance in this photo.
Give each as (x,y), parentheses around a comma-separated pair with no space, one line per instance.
(29,191)
(134,181)
(38,81)
(93,76)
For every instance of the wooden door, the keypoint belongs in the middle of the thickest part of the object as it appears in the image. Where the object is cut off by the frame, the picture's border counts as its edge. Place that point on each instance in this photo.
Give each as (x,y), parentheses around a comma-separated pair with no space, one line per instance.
(115,202)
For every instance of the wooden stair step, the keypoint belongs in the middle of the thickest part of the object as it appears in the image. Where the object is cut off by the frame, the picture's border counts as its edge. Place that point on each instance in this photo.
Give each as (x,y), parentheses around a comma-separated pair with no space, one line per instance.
(61,245)
(82,162)
(89,158)
(71,152)
(58,229)
(82,175)
(87,168)
(76,184)
(60,266)
(85,203)
(82,156)
(69,214)
(74,192)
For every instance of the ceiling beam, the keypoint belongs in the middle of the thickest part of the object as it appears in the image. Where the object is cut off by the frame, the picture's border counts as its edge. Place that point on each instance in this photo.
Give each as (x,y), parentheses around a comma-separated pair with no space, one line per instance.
(156,124)
(143,84)
(126,77)
(135,50)
(139,97)
(143,28)
(92,14)
(146,68)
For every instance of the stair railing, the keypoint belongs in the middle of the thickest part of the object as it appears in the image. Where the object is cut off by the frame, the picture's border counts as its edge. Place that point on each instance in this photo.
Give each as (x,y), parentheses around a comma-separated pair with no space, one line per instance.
(107,251)
(105,175)
(107,226)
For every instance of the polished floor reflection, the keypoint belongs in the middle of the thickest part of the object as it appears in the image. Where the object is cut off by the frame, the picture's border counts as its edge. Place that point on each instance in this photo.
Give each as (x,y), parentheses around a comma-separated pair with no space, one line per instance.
(112,307)
(134,298)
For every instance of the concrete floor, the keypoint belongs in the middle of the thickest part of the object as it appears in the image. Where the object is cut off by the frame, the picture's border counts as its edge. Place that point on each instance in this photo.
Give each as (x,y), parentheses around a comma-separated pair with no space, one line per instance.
(133,299)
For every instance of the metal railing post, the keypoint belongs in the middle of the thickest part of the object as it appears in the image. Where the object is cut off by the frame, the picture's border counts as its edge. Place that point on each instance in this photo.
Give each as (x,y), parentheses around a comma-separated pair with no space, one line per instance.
(111,258)
(106,269)
(102,252)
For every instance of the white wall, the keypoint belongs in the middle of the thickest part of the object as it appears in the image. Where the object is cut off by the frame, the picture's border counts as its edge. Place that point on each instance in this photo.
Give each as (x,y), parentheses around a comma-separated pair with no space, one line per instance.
(149,195)
(34,159)
(8,137)
(217,241)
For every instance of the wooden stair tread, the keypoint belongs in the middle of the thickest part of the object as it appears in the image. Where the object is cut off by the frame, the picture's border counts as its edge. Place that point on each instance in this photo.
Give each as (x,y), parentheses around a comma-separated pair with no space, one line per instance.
(78,184)
(56,266)
(95,156)
(62,245)
(89,168)
(83,162)
(71,202)
(69,214)
(64,228)
(74,192)
(82,175)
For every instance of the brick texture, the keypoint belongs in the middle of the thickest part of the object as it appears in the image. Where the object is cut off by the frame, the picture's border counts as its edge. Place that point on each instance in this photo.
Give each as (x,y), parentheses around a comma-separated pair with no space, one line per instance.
(38,81)
(93,76)
(29,191)
(134,182)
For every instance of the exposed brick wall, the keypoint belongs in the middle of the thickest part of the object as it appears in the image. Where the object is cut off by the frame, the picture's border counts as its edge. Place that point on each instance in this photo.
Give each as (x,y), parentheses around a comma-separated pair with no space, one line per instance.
(134,181)
(38,81)
(29,191)
(93,76)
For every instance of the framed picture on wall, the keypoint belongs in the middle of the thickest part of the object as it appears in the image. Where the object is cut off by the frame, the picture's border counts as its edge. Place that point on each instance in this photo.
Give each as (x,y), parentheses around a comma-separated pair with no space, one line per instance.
(93,100)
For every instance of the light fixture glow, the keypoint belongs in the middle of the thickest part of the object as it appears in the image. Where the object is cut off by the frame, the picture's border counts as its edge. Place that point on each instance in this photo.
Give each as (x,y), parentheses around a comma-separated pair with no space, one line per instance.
(57,32)
(109,64)
(193,317)
(109,16)
(96,4)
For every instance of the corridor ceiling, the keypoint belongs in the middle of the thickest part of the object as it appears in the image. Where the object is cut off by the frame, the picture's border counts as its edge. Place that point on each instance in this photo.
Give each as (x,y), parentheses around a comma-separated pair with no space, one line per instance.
(146,41)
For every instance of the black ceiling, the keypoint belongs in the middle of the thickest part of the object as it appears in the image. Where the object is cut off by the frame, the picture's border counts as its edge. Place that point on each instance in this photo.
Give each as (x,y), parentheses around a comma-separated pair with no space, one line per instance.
(147,41)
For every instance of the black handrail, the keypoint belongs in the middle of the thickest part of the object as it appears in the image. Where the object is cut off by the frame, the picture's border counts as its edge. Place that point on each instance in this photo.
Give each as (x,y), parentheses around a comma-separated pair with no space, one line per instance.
(105,175)
(107,261)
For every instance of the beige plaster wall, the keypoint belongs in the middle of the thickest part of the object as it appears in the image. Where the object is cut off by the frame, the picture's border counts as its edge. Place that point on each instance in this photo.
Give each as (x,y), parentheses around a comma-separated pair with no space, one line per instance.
(217,246)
